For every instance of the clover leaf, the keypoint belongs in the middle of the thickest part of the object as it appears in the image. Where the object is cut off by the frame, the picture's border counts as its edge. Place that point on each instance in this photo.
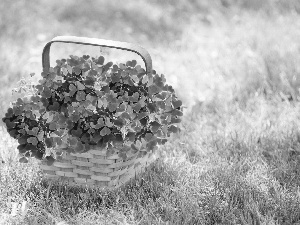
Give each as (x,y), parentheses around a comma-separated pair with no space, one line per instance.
(105,131)
(50,160)
(100,123)
(177,103)
(80,96)
(23,160)
(32,140)
(84,102)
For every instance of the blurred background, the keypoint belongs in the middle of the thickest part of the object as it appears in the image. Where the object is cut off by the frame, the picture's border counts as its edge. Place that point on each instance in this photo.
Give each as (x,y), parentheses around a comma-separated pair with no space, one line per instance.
(236,66)
(211,51)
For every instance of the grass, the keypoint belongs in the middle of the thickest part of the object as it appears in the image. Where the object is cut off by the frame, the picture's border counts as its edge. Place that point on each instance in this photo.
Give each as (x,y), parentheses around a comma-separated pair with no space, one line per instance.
(234,63)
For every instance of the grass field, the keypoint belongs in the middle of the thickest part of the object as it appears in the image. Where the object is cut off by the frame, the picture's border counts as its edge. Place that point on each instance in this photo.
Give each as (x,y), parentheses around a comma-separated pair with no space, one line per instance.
(236,66)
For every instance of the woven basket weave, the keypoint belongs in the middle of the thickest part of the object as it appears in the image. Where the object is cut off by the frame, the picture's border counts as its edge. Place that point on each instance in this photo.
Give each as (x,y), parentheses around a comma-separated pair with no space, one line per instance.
(94,168)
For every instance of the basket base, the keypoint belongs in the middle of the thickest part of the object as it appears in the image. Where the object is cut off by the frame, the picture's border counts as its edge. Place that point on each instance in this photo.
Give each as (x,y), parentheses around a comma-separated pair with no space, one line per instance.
(94,169)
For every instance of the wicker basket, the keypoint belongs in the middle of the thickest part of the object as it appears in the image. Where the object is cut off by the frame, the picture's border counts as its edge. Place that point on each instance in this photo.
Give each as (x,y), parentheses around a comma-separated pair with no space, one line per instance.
(94,168)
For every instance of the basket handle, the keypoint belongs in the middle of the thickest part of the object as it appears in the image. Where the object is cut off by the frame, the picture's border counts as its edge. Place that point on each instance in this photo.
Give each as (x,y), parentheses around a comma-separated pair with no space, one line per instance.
(97,42)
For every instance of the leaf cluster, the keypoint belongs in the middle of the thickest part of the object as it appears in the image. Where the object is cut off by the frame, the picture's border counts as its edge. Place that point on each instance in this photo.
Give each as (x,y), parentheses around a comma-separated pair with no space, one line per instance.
(83,103)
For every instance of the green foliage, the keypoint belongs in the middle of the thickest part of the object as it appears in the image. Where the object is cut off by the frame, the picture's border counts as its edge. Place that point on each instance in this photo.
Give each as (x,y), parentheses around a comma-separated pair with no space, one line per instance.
(83,103)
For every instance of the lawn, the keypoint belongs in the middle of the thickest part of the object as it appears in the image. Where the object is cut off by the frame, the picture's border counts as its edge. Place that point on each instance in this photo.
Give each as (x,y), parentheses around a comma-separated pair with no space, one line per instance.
(236,66)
